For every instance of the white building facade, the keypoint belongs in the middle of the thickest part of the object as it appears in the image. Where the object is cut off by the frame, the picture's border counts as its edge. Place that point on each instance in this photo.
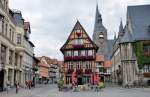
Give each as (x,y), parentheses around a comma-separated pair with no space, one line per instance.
(16,52)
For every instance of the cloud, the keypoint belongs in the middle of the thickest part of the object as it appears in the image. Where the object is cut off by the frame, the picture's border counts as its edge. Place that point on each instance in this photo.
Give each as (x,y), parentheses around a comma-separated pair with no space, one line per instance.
(53,20)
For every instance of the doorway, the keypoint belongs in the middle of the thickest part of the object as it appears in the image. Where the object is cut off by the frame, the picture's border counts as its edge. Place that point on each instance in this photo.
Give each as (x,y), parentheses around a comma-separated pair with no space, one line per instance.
(1,79)
(79,81)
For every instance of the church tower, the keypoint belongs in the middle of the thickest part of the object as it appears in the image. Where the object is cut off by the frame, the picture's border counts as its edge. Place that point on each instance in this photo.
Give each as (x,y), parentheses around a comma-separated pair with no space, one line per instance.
(100,33)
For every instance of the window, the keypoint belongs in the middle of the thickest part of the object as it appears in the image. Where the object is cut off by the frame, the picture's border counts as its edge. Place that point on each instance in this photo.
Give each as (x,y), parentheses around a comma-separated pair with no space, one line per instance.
(146,50)
(2,26)
(10,56)
(10,34)
(79,65)
(18,38)
(146,68)
(78,31)
(16,59)
(68,53)
(101,69)
(70,65)
(79,41)
(83,53)
(76,53)
(90,52)
(1,22)
(3,54)
(88,65)
(6,29)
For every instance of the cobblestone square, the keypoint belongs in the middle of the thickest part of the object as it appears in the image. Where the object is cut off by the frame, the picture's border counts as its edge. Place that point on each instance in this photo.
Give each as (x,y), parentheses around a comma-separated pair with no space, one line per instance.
(52,91)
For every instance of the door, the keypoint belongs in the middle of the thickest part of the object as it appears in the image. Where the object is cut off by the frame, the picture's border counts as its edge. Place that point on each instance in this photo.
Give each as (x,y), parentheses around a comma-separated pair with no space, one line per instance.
(1,79)
(80,81)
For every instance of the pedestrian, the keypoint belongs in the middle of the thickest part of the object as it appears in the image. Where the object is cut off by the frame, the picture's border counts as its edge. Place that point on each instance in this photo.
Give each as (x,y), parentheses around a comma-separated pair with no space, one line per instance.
(17,87)
(96,88)
(27,84)
(8,84)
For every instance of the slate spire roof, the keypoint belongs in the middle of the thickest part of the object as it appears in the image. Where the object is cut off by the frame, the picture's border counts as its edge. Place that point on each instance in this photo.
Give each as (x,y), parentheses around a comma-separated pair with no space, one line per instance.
(121,28)
(138,21)
(98,26)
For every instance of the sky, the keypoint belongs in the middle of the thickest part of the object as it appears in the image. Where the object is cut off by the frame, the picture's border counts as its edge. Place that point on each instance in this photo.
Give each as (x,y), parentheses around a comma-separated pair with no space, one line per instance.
(52,20)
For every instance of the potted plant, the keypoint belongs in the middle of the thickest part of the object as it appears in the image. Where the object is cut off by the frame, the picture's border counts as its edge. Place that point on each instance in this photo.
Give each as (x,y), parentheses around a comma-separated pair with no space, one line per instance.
(60,84)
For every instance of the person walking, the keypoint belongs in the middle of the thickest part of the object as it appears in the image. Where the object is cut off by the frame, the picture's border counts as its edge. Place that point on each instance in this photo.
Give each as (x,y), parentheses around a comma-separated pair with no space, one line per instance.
(30,83)
(17,87)
(27,85)
(8,84)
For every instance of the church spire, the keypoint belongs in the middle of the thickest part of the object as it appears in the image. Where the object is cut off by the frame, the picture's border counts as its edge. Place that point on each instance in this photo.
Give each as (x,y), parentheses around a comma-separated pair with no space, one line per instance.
(98,27)
(121,26)
(98,15)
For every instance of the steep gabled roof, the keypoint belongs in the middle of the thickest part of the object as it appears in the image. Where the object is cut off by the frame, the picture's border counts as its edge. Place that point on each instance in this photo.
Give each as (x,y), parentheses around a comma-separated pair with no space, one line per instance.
(127,36)
(140,21)
(42,62)
(76,27)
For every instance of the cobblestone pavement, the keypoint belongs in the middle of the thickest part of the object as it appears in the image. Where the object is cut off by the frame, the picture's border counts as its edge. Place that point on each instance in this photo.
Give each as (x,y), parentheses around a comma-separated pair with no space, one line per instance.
(52,91)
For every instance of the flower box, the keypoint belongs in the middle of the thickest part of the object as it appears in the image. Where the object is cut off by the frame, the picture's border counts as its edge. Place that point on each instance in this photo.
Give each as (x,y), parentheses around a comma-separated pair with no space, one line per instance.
(89,57)
(78,46)
(70,71)
(79,71)
(68,58)
(78,58)
(88,71)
